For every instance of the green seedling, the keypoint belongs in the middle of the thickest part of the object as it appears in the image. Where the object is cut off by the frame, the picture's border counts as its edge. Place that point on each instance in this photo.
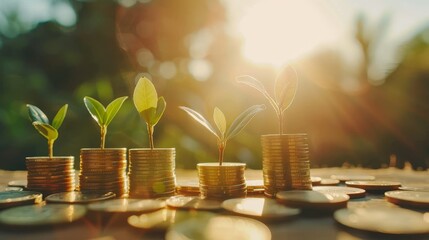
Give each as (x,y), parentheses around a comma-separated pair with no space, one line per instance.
(103,116)
(41,123)
(149,105)
(222,133)
(285,89)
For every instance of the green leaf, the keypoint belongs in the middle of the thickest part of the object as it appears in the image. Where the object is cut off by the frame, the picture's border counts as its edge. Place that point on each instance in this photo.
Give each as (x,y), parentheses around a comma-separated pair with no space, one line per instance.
(96,109)
(219,119)
(159,111)
(36,115)
(256,84)
(200,119)
(243,119)
(286,87)
(145,95)
(46,130)
(59,117)
(112,109)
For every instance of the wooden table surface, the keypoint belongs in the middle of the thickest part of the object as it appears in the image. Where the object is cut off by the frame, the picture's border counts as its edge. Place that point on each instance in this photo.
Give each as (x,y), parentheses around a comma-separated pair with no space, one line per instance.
(304,227)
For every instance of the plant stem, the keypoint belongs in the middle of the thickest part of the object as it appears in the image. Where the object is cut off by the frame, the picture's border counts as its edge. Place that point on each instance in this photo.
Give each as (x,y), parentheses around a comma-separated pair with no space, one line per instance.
(221,146)
(103,131)
(150,133)
(51,148)
(280,123)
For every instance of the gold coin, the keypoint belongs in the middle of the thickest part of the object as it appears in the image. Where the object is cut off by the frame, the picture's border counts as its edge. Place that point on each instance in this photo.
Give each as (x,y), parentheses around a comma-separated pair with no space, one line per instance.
(353,177)
(313,199)
(351,191)
(78,197)
(417,199)
(197,203)
(16,198)
(374,185)
(126,205)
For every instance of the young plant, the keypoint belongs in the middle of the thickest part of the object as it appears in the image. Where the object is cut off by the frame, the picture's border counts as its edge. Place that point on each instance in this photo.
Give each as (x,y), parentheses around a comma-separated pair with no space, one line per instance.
(103,116)
(41,123)
(222,133)
(285,88)
(149,106)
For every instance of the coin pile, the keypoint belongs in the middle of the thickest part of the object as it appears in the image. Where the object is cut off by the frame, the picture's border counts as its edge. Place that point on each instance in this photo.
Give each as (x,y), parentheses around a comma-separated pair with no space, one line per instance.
(50,175)
(285,163)
(222,182)
(103,170)
(152,173)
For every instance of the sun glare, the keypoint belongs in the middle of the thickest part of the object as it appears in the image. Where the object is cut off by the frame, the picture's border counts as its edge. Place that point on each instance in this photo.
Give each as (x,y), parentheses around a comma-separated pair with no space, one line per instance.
(277,31)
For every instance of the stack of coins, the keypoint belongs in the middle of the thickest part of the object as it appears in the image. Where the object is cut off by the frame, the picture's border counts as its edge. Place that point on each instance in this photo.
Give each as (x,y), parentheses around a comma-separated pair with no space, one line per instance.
(222,182)
(50,175)
(152,172)
(189,187)
(103,170)
(285,163)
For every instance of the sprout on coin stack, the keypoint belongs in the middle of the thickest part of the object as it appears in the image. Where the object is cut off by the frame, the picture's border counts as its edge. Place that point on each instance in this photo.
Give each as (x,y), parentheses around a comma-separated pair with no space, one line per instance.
(151,169)
(223,179)
(49,174)
(103,169)
(286,160)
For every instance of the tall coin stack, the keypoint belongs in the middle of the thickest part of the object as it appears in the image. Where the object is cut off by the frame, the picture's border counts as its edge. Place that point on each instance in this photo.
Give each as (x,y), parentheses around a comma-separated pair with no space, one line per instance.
(222,182)
(50,175)
(103,170)
(285,163)
(151,172)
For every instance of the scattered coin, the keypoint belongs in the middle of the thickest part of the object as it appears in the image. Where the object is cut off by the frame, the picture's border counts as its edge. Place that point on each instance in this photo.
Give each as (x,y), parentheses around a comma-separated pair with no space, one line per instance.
(13,189)
(315,180)
(18,183)
(384,220)
(186,202)
(312,199)
(78,197)
(17,198)
(415,187)
(353,177)
(219,227)
(37,215)
(408,198)
(374,185)
(351,191)
(259,207)
(126,205)
(329,182)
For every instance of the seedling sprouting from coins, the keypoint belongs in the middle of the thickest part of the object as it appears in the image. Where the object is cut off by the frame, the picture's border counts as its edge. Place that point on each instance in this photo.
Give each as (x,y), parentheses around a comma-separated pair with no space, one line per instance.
(149,105)
(222,133)
(285,88)
(41,123)
(103,116)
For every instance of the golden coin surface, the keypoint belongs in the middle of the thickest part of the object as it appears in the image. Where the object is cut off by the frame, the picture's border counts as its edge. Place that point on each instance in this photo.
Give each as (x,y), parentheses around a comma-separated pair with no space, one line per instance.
(15,198)
(18,183)
(351,191)
(37,215)
(415,187)
(353,177)
(384,220)
(329,182)
(219,227)
(312,199)
(408,198)
(186,202)
(127,205)
(374,185)
(259,207)
(78,197)
(162,219)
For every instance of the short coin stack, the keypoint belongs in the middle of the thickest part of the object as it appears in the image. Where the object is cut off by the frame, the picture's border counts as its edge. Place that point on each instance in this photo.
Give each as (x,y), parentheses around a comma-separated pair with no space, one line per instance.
(50,175)
(103,170)
(286,163)
(152,173)
(222,182)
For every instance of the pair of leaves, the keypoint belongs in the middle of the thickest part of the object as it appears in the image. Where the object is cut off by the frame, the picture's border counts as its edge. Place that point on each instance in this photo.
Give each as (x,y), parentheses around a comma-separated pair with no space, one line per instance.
(41,121)
(150,107)
(285,88)
(103,116)
(222,133)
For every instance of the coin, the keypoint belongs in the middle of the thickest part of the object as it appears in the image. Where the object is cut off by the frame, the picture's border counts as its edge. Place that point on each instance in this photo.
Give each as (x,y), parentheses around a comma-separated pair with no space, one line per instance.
(219,227)
(37,215)
(16,198)
(126,205)
(351,191)
(384,220)
(353,177)
(18,183)
(315,180)
(183,202)
(329,182)
(13,189)
(408,198)
(78,197)
(415,187)
(312,199)
(162,219)
(254,184)
(374,185)
(259,207)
